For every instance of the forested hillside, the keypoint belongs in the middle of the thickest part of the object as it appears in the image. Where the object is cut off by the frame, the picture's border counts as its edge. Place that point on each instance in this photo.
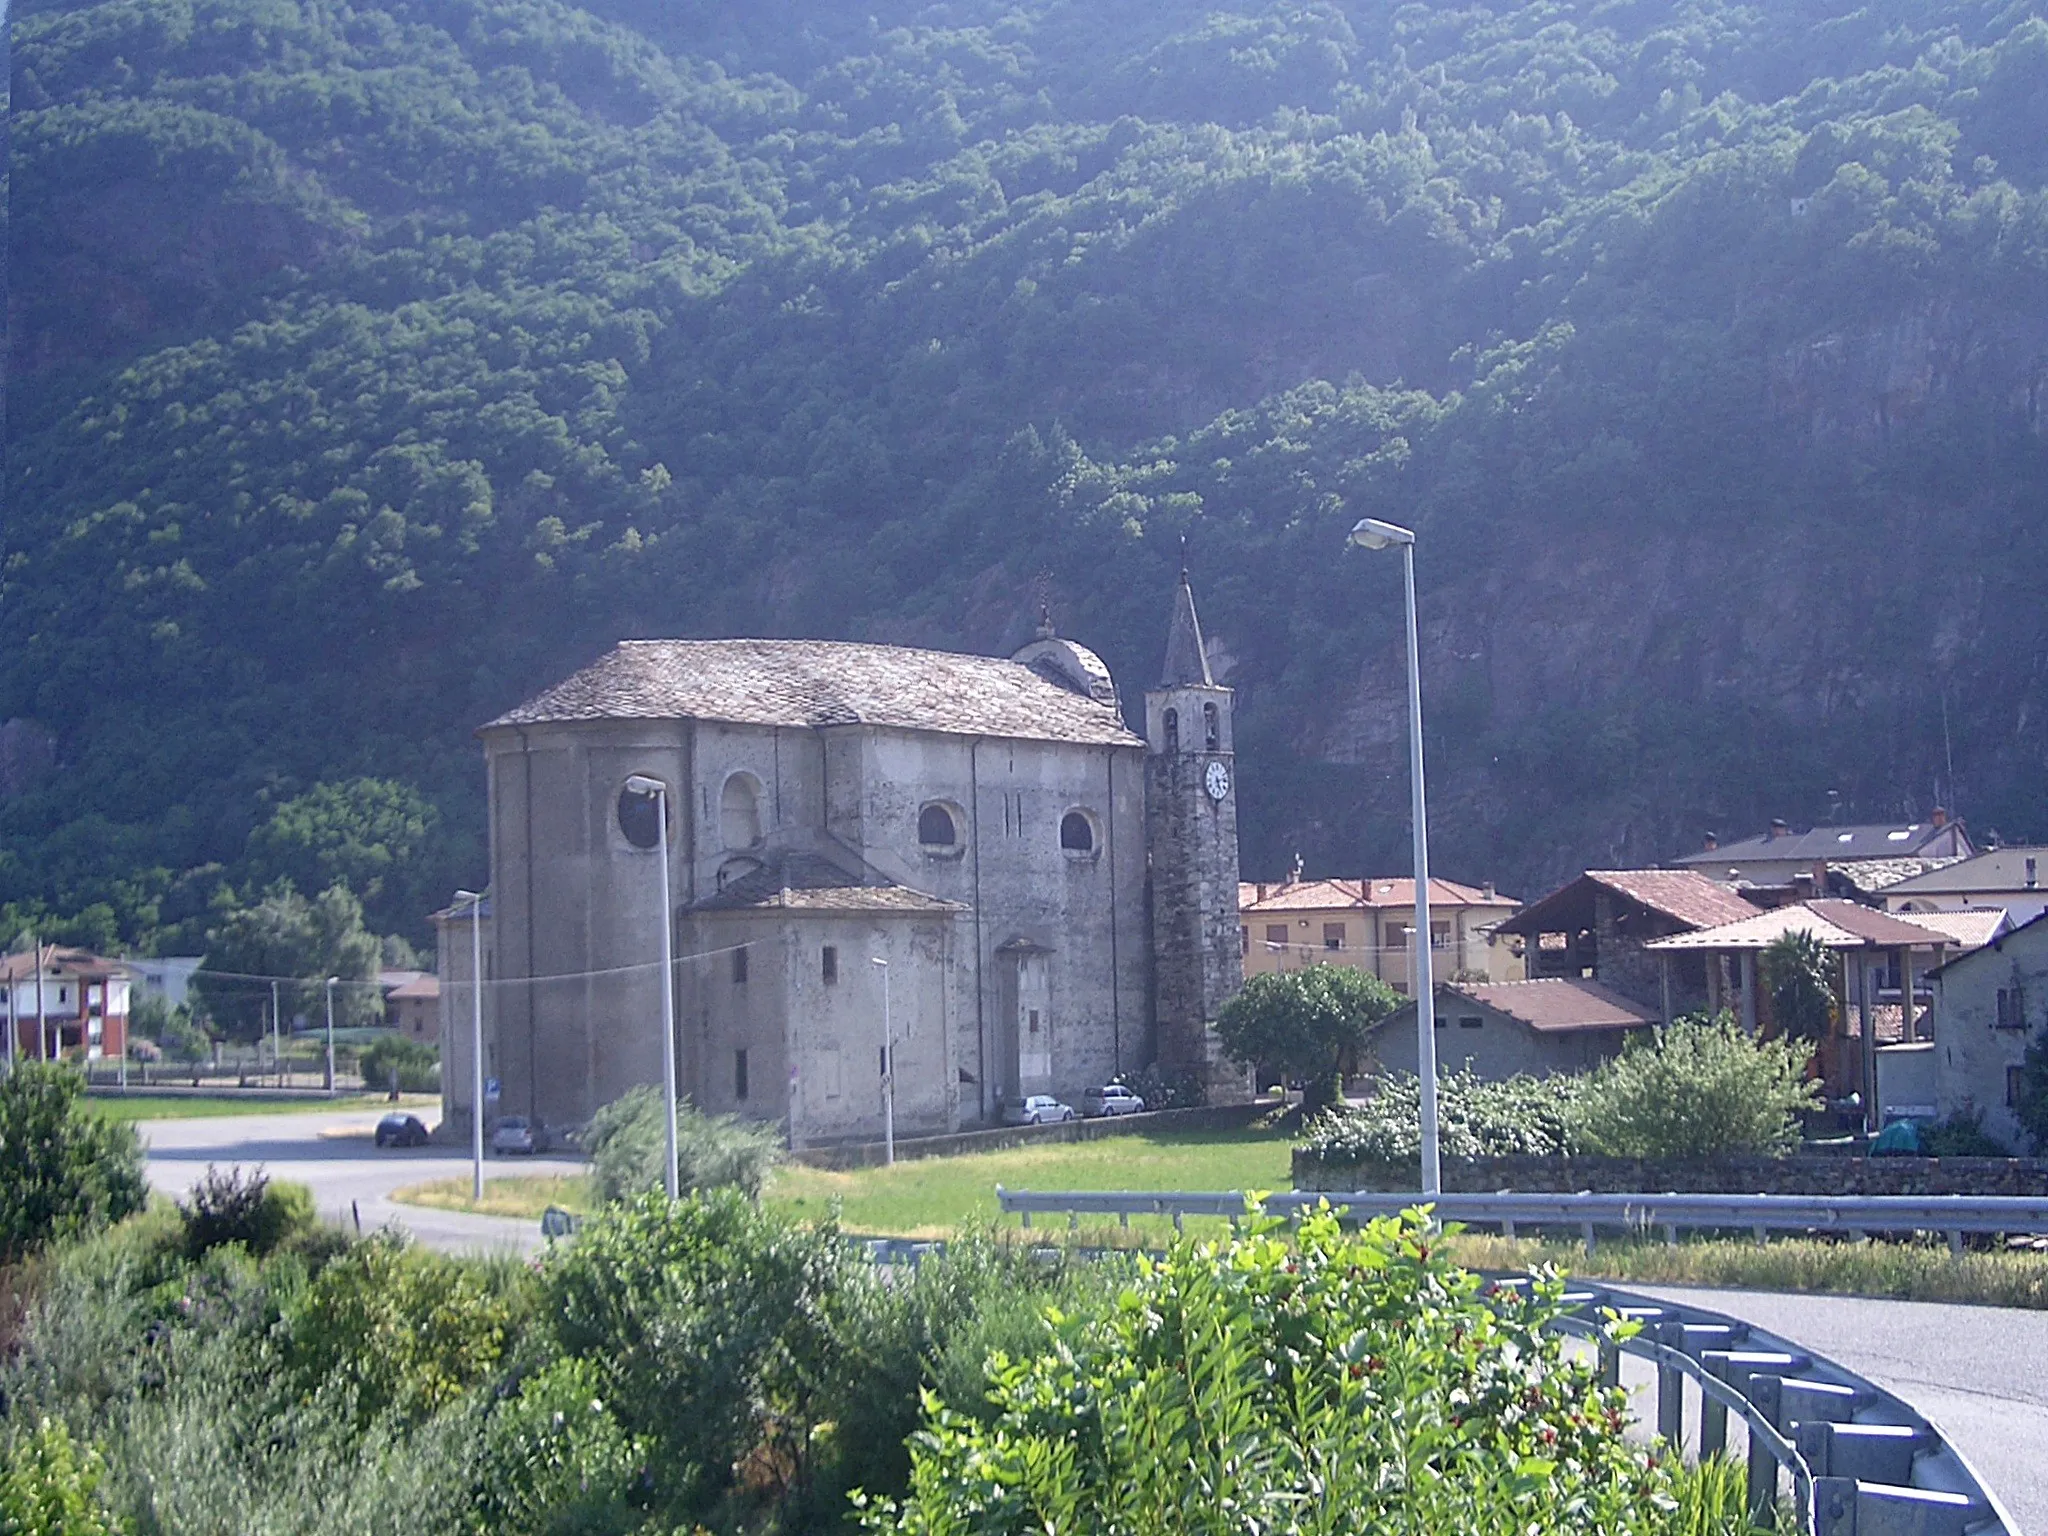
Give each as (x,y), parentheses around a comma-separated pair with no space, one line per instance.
(375,362)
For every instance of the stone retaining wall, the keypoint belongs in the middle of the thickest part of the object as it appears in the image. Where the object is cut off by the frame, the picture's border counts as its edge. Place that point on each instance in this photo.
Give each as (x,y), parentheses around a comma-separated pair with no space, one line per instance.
(868,1154)
(1799,1175)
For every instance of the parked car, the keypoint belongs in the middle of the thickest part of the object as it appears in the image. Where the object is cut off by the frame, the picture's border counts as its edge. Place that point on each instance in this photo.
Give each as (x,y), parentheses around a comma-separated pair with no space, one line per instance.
(515,1133)
(397,1130)
(1112,1099)
(1037,1109)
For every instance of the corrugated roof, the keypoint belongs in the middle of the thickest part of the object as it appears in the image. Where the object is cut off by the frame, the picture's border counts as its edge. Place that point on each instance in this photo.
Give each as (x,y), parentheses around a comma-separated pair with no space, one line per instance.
(1557,1004)
(1971,927)
(1879,841)
(2001,869)
(822,683)
(806,883)
(1325,895)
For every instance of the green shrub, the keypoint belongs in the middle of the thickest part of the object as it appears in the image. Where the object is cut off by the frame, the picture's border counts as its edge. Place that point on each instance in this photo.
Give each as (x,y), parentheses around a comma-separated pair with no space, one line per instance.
(1961,1136)
(63,1170)
(398,1329)
(2032,1108)
(249,1209)
(1698,1088)
(1520,1116)
(627,1141)
(51,1487)
(1161,1089)
(1339,1380)
(555,1459)
(707,1321)
(418,1065)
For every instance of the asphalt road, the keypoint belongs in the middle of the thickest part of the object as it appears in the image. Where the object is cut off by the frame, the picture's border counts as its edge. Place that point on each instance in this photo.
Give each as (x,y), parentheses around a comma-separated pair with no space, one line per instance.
(1979,1373)
(332,1154)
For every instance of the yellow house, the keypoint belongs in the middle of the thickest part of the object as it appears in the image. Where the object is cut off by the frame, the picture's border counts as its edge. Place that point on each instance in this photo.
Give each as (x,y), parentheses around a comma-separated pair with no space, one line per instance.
(1367,923)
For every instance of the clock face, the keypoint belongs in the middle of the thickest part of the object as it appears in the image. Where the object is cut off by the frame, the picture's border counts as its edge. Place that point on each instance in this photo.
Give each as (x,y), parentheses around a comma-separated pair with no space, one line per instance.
(1217,781)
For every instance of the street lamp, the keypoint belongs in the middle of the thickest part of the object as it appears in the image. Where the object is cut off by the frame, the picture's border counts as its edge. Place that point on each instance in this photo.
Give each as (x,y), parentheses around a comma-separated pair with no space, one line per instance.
(476,1043)
(641,784)
(331,981)
(888,1071)
(1371,533)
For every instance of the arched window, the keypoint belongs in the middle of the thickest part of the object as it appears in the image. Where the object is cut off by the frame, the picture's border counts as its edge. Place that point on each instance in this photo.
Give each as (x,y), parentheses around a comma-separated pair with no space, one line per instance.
(936,827)
(1171,723)
(1077,833)
(640,817)
(1212,727)
(739,811)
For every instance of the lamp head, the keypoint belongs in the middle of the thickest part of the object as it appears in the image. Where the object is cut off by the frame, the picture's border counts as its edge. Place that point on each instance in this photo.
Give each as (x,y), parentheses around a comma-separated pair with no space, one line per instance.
(641,784)
(1371,533)
(878,960)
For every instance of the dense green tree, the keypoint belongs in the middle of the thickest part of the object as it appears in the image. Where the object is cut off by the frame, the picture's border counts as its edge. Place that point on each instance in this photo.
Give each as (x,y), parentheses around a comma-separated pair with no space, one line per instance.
(1303,1022)
(1697,1088)
(285,938)
(375,836)
(64,1171)
(1799,973)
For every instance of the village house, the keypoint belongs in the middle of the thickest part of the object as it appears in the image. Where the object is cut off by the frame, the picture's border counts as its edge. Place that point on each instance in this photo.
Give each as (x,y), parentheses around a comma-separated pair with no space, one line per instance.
(972,854)
(1882,957)
(413,1007)
(1369,924)
(2014,880)
(60,1001)
(1497,1030)
(1597,927)
(1989,1005)
(1782,865)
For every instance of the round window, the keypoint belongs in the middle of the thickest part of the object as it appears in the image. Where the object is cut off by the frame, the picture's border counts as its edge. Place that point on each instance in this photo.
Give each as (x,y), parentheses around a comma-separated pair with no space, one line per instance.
(1077,833)
(640,817)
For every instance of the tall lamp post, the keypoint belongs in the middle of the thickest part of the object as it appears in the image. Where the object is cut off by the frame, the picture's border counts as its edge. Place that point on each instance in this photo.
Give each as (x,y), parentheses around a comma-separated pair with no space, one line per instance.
(1371,533)
(888,1072)
(641,784)
(476,1042)
(331,982)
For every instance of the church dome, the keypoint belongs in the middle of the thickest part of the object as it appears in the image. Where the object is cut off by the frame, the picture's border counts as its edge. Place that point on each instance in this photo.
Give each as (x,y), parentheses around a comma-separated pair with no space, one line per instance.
(1070,666)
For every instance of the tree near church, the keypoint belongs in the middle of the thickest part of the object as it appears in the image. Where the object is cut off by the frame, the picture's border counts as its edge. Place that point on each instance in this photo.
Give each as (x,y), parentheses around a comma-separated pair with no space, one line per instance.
(1302,1022)
(299,943)
(376,836)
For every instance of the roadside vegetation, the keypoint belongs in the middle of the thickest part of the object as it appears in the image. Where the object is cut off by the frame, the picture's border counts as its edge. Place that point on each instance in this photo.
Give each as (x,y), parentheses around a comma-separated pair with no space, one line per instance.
(137,1106)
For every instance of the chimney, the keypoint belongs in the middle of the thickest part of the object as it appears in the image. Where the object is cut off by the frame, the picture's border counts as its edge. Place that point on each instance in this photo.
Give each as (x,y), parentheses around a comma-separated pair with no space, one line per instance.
(1780,828)
(2031,874)
(1939,816)
(1713,842)
(1487,891)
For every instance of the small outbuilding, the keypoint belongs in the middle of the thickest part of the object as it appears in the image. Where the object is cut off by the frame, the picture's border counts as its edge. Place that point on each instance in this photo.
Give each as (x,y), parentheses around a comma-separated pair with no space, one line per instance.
(1499,1029)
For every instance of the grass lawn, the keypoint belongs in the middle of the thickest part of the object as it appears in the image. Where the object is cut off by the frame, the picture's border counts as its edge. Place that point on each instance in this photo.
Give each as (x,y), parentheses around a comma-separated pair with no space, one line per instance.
(140,1105)
(932,1197)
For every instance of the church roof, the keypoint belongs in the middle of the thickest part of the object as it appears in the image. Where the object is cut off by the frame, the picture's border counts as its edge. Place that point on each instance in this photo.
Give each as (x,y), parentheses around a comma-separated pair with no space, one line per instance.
(821,683)
(805,883)
(1187,659)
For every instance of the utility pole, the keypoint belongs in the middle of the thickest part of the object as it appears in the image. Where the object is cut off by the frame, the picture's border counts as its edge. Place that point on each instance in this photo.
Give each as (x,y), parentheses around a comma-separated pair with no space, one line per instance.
(42,1027)
(276,1036)
(330,1032)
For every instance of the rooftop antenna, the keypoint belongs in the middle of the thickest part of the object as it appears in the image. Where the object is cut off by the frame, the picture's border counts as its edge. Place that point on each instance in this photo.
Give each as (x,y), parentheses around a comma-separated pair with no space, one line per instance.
(1949,753)
(1042,585)
(1183,557)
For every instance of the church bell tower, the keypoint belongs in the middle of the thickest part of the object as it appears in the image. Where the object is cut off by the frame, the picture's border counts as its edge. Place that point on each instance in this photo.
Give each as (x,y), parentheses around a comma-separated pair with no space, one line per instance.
(1191,835)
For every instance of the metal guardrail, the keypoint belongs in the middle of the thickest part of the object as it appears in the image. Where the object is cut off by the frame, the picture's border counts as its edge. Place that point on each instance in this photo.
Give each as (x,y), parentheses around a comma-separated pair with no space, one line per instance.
(1861,1462)
(1952,1215)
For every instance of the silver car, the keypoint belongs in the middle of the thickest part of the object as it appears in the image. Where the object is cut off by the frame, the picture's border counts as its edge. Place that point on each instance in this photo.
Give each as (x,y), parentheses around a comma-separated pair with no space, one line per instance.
(1112,1099)
(1036,1109)
(515,1133)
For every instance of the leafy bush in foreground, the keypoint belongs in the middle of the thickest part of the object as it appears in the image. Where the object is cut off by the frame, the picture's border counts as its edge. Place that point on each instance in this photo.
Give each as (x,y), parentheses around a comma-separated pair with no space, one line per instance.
(64,1171)
(1520,1116)
(249,1209)
(626,1140)
(1697,1088)
(1338,1382)
(51,1487)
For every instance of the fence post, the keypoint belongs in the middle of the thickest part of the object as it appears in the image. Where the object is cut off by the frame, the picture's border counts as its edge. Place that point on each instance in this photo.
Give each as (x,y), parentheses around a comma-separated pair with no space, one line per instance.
(1671,1387)
(1764,1394)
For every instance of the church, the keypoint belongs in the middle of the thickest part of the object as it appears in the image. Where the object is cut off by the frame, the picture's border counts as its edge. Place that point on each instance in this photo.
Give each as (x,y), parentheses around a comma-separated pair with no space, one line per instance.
(973,856)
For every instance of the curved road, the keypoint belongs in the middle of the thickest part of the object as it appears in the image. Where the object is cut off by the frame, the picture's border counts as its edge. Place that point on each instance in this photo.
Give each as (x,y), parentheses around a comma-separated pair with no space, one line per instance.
(1980,1373)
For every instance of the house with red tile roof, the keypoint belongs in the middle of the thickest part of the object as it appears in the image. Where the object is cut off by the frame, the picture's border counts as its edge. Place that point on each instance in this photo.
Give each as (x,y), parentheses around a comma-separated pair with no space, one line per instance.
(1497,1030)
(1368,924)
(63,1002)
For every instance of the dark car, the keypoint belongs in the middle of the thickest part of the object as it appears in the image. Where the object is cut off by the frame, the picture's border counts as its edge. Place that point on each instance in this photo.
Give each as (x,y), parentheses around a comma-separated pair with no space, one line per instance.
(397,1130)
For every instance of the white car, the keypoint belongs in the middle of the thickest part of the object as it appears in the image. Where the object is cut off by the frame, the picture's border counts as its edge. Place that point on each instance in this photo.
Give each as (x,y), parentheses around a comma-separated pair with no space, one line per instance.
(1037,1109)
(1112,1099)
(517,1134)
